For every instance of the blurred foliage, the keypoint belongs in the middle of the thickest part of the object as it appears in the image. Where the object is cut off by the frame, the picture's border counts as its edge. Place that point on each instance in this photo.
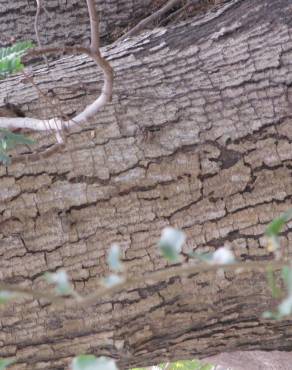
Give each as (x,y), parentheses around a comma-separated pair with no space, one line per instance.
(9,140)
(180,365)
(10,58)
(284,308)
(4,363)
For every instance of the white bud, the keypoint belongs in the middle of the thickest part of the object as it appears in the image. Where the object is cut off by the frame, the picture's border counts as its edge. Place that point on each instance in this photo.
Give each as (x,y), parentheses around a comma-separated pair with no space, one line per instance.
(223,256)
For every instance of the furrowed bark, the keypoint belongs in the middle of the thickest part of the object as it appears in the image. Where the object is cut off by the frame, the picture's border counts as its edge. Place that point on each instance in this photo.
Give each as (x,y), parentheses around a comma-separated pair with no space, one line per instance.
(66,20)
(198,136)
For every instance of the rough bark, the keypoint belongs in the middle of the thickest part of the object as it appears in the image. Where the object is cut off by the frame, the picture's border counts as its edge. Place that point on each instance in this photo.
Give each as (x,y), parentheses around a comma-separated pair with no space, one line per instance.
(256,360)
(66,20)
(198,136)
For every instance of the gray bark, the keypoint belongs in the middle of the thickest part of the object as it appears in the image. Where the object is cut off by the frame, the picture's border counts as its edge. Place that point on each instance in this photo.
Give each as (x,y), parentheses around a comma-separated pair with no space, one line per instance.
(198,136)
(67,20)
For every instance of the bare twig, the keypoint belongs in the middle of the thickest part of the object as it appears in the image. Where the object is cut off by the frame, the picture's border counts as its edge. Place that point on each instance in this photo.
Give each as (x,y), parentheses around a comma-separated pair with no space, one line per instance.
(27,292)
(94,26)
(141,25)
(36,28)
(144,279)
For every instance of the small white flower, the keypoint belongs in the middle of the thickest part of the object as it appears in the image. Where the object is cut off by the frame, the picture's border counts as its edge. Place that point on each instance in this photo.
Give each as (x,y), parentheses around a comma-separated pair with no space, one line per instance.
(173,237)
(223,256)
(285,307)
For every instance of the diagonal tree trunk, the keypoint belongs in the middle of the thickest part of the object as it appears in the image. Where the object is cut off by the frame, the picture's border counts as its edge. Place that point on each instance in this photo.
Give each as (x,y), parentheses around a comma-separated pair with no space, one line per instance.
(198,136)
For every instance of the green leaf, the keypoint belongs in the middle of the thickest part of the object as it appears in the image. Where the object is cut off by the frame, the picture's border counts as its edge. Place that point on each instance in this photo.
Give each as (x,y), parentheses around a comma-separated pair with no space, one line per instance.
(4,363)
(276,291)
(187,365)
(61,280)
(275,227)
(90,362)
(9,140)
(14,139)
(114,258)
(10,58)
(171,243)
(287,277)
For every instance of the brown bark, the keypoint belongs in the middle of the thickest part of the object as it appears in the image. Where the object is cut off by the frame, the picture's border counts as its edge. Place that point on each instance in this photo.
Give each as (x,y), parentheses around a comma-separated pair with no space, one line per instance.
(198,136)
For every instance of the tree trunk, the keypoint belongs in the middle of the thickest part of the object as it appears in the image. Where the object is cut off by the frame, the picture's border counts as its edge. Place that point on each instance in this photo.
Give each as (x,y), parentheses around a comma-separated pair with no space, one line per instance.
(198,136)
(66,21)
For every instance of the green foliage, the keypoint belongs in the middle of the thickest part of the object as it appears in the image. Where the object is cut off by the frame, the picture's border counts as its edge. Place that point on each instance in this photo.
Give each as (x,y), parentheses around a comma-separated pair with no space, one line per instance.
(4,363)
(90,362)
(189,365)
(182,365)
(10,58)
(9,140)
(10,62)
(285,306)
(274,228)
(276,291)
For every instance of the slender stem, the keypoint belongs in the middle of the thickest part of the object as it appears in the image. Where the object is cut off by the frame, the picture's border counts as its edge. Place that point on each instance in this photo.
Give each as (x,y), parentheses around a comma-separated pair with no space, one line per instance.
(141,25)
(36,28)
(151,278)
(37,294)
(94,26)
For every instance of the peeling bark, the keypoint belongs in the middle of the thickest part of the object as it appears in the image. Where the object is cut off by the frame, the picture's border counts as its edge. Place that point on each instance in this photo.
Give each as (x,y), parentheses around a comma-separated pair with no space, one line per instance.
(198,136)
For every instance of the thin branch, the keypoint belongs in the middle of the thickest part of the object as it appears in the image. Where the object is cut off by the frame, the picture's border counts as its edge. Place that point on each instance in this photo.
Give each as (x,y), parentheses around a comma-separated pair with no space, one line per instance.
(56,123)
(94,27)
(151,278)
(145,22)
(177,271)
(36,28)
(27,292)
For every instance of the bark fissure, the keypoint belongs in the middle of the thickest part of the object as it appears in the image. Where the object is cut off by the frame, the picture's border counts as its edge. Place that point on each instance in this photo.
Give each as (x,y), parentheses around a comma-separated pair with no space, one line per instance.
(198,136)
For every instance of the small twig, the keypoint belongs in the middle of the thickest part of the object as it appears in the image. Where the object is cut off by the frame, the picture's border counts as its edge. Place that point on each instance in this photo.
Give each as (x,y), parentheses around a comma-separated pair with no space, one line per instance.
(176,271)
(141,25)
(36,29)
(37,294)
(174,14)
(94,27)
(141,280)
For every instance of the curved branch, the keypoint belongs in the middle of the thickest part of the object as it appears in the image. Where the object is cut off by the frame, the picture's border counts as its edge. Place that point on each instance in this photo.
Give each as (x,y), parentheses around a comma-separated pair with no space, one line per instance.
(56,123)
